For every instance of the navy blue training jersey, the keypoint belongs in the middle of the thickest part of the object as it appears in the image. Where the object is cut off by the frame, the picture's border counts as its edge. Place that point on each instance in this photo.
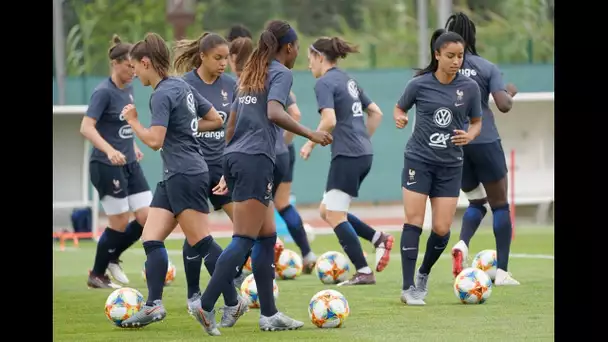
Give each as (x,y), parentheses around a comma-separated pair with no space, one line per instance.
(338,91)
(440,109)
(174,104)
(105,106)
(220,93)
(489,79)
(254,133)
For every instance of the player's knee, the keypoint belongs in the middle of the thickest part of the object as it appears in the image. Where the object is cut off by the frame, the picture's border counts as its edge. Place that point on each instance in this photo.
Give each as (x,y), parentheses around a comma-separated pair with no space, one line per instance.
(119,222)
(441,229)
(334,218)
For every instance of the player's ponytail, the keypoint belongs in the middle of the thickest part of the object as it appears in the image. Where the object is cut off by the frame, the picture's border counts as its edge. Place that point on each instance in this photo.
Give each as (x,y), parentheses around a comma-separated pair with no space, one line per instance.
(240,49)
(253,77)
(118,51)
(433,64)
(333,48)
(154,47)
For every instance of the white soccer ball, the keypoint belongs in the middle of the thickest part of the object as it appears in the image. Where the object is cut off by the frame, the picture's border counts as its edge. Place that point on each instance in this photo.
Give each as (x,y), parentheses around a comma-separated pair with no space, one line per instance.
(249,291)
(169,278)
(122,304)
(332,267)
(486,261)
(310,232)
(289,265)
(472,286)
(328,309)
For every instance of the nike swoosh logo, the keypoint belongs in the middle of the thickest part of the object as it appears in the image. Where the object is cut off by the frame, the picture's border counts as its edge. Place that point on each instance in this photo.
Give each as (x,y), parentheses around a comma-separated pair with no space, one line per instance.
(225,104)
(111,250)
(458,104)
(152,310)
(409,249)
(410,183)
(194,257)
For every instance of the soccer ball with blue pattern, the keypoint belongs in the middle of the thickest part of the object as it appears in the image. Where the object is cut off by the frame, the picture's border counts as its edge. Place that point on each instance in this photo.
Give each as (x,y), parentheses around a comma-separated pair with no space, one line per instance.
(332,267)
(328,309)
(289,265)
(249,291)
(486,261)
(472,286)
(122,304)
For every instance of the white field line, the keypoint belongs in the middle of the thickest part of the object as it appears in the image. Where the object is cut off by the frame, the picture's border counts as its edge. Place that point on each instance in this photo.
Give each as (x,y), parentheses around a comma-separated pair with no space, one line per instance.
(140,251)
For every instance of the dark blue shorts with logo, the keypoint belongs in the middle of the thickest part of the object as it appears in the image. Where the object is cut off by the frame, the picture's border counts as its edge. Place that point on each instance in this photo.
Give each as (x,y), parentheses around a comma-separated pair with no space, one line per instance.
(118,181)
(249,176)
(181,192)
(429,179)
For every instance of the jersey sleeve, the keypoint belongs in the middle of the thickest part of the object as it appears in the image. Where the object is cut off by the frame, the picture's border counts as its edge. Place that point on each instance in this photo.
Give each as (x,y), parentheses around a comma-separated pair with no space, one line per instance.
(160,108)
(325,95)
(289,101)
(280,86)
(365,100)
(496,82)
(475,110)
(203,106)
(99,102)
(408,98)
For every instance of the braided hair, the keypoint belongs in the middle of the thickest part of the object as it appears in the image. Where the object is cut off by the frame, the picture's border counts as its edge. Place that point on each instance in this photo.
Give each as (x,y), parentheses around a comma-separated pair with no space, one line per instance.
(461,24)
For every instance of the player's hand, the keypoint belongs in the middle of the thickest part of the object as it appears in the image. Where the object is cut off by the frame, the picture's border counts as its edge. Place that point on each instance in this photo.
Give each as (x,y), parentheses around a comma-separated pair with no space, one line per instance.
(511,89)
(129,112)
(117,158)
(461,137)
(221,188)
(306,150)
(401,120)
(321,137)
(139,155)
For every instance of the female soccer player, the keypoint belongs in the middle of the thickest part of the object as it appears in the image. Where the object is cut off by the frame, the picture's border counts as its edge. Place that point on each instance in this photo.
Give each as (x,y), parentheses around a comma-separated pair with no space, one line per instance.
(114,167)
(484,173)
(248,170)
(432,168)
(203,61)
(178,113)
(240,50)
(341,104)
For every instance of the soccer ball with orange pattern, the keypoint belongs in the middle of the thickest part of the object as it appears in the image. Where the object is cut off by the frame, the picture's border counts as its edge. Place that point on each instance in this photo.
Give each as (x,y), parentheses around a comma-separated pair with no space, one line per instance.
(486,261)
(122,304)
(289,265)
(332,267)
(249,291)
(472,286)
(169,277)
(328,309)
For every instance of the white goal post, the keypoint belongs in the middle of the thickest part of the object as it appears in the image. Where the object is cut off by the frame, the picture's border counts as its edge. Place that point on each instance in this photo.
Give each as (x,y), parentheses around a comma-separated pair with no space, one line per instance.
(71,184)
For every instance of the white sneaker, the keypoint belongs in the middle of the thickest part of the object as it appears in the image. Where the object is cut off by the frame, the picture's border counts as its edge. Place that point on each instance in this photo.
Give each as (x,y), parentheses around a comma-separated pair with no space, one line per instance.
(504,278)
(460,254)
(117,273)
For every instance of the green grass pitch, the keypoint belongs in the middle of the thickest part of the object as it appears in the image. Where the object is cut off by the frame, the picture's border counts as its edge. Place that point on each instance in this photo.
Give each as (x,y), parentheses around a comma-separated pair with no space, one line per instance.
(511,314)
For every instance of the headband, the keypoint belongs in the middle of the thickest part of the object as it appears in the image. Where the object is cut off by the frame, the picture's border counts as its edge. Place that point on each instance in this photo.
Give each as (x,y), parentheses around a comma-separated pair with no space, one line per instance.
(314,49)
(289,37)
